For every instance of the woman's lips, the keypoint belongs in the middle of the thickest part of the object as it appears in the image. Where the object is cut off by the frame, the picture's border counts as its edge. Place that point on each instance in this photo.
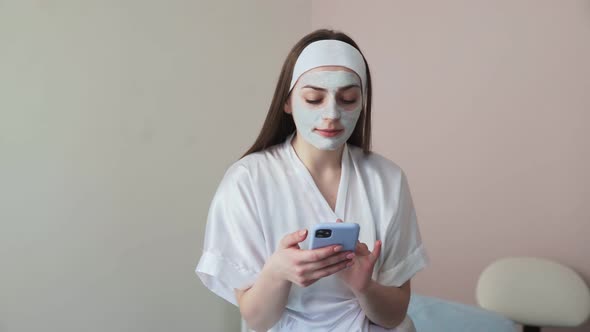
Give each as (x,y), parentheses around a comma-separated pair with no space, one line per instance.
(330,132)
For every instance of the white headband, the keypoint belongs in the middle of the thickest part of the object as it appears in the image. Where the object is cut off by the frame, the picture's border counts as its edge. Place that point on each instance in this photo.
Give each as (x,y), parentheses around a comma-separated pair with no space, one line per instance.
(330,52)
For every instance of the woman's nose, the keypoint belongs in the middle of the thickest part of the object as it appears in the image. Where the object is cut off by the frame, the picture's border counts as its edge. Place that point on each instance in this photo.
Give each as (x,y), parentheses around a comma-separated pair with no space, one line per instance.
(331,111)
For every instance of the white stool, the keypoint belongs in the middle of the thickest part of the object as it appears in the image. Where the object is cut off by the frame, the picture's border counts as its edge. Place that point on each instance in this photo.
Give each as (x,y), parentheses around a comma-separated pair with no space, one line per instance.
(534,292)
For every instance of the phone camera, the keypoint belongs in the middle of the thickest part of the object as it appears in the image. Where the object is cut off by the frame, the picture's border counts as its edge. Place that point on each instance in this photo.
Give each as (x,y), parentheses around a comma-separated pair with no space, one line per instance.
(323,233)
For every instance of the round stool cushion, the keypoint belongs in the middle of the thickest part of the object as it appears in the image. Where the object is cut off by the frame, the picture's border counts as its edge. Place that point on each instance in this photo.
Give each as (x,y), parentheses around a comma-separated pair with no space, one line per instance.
(534,291)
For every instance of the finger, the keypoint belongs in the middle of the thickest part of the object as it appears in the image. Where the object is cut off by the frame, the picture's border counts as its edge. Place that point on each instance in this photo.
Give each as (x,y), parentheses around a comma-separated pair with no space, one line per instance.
(358,243)
(376,250)
(357,249)
(331,269)
(339,220)
(362,249)
(292,239)
(314,255)
(311,267)
(309,282)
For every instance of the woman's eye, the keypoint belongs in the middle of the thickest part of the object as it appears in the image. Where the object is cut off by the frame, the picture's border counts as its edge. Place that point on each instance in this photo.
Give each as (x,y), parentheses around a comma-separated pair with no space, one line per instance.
(348,101)
(317,101)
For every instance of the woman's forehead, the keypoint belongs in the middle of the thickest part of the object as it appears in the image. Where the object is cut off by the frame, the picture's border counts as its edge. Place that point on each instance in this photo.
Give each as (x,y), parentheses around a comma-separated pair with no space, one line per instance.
(333,76)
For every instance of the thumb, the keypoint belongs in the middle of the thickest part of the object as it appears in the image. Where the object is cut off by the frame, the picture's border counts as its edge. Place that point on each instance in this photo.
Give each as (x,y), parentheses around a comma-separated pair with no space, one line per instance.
(376,251)
(339,220)
(292,239)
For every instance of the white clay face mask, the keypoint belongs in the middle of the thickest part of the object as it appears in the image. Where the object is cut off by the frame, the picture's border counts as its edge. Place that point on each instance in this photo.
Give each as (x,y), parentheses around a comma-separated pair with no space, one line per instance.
(330,112)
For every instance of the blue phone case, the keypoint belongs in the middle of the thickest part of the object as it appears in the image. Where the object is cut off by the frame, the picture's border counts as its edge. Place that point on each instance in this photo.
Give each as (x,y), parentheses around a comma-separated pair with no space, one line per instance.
(326,234)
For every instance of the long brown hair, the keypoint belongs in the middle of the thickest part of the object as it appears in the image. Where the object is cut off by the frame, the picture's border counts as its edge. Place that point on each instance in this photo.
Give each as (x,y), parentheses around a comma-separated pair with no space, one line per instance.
(279,125)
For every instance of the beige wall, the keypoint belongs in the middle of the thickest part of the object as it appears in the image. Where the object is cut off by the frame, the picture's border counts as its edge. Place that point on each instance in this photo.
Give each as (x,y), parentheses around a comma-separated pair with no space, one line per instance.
(486,105)
(111,146)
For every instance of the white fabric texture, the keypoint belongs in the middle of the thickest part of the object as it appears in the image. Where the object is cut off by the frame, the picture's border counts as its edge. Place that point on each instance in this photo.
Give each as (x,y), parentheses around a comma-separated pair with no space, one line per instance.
(331,52)
(270,193)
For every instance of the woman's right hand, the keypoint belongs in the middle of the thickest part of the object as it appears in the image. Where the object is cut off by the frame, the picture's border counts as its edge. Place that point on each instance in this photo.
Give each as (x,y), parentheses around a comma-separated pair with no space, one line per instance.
(304,267)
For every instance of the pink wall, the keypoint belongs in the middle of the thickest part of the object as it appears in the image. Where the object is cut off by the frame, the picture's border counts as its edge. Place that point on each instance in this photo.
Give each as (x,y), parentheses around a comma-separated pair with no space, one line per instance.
(486,106)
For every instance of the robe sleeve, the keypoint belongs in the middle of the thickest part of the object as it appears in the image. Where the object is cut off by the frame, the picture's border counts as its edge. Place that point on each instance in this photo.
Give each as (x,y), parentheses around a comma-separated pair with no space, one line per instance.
(403,252)
(234,247)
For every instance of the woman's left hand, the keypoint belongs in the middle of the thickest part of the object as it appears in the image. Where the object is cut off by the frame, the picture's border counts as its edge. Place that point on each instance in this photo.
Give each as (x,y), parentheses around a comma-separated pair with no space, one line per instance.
(358,276)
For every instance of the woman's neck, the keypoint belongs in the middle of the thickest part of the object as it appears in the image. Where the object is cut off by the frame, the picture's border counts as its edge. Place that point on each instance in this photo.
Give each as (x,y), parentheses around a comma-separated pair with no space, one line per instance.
(316,160)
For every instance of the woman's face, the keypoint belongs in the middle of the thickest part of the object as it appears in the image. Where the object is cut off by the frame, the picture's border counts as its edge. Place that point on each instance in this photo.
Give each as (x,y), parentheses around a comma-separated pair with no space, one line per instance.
(326,103)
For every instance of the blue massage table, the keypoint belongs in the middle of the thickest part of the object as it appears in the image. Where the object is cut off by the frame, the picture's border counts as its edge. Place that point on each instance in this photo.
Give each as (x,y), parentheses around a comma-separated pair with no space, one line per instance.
(431,314)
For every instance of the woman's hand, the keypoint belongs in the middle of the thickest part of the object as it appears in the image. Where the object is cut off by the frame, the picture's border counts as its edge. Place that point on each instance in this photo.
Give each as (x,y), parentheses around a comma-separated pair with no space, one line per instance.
(304,267)
(358,277)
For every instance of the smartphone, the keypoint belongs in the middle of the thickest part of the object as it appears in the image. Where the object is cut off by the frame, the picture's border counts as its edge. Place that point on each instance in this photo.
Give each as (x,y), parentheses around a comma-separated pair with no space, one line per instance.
(345,234)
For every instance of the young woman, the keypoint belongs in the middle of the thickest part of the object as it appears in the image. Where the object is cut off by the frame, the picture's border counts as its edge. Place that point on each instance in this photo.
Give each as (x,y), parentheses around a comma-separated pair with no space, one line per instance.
(312,163)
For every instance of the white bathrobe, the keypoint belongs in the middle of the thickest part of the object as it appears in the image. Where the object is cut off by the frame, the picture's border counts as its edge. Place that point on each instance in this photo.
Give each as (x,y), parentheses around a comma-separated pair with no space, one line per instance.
(270,193)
